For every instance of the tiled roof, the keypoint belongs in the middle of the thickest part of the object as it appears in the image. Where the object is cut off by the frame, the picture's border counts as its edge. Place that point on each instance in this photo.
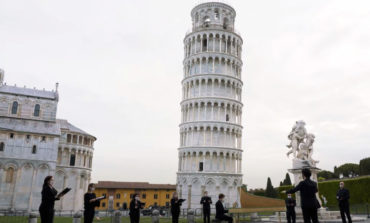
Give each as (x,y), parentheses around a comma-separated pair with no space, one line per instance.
(31,126)
(132,185)
(64,124)
(28,92)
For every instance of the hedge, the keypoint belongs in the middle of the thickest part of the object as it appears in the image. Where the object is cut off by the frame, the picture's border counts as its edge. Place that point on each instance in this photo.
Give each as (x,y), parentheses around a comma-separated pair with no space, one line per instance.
(359,189)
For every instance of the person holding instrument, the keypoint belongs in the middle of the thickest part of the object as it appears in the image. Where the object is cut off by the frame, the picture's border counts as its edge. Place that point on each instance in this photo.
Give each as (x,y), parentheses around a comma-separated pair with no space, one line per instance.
(175,207)
(90,202)
(48,197)
(135,206)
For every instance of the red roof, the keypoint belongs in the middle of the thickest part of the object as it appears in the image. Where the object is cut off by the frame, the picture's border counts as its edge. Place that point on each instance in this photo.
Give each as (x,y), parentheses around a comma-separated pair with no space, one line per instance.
(132,185)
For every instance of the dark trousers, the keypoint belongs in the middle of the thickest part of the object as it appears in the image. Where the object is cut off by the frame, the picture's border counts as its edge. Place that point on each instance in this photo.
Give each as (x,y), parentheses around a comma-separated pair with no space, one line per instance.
(175,217)
(290,215)
(226,218)
(344,210)
(310,214)
(47,216)
(206,215)
(135,218)
(88,216)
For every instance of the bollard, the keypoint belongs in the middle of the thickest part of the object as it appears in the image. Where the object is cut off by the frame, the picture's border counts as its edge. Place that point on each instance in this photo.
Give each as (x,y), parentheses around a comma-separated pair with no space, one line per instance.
(155,216)
(191,217)
(77,217)
(117,217)
(32,217)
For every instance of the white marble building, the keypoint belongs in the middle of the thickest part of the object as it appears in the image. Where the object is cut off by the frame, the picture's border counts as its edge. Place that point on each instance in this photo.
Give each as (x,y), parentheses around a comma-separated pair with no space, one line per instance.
(34,144)
(210,153)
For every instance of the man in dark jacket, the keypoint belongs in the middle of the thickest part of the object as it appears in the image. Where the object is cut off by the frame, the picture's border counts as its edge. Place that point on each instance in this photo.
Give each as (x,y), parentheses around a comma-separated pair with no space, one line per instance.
(206,202)
(343,197)
(309,202)
(290,205)
(220,210)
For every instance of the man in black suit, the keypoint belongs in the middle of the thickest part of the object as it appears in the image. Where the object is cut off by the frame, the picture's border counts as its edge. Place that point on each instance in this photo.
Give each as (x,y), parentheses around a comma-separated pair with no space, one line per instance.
(206,202)
(220,210)
(343,197)
(309,202)
(290,205)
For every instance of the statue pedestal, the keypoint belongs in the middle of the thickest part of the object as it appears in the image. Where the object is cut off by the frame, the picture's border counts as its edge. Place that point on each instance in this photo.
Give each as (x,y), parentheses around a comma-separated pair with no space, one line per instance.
(298,166)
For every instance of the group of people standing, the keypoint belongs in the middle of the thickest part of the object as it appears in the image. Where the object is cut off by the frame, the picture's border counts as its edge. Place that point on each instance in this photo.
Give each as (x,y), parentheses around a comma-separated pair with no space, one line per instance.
(310,202)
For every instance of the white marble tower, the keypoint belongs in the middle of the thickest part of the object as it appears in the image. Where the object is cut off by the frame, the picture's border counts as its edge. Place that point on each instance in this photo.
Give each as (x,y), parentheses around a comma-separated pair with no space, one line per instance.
(210,152)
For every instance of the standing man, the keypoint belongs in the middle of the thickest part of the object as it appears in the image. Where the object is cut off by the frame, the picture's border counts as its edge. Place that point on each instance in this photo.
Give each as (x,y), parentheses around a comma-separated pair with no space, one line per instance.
(290,205)
(309,202)
(220,210)
(343,197)
(206,202)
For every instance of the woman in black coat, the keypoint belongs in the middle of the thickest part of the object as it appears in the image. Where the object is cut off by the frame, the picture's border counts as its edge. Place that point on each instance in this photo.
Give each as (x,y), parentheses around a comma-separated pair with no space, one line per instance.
(49,196)
(175,207)
(90,202)
(135,206)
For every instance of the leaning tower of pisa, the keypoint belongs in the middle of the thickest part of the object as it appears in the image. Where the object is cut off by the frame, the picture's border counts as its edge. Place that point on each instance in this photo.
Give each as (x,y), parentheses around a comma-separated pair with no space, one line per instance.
(210,151)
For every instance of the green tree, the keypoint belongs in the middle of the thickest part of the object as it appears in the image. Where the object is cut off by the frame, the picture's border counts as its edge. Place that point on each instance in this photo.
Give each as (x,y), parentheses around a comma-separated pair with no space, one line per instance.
(244,187)
(326,175)
(348,169)
(365,166)
(287,180)
(270,191)
(281,184)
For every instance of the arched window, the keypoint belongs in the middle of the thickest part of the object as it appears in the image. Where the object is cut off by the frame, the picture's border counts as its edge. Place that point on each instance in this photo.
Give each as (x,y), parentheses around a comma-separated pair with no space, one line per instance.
(72,160)
(226,23)
(227,117)
(9,175)
(15,108)
(36,112)
(34,149)
(206,21)
(2,145)
(217,14)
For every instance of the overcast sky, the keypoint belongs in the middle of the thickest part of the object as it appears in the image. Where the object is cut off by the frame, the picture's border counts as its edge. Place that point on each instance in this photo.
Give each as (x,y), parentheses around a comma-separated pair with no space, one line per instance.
(119,65)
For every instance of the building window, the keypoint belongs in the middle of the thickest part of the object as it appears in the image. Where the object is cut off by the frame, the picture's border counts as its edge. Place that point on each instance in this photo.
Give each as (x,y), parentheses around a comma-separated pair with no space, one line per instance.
(103,204)
(124,206)
(227,117)
(155,196)
(204,45)
(36,112)
(82,182)
(28,137)
(117,204)
(11,135)
(217,14)
(69,138)
(143,196)
(43,138)
(167,204)
(2,145)
(74,140)
(15,108)
(118,196)
(34,149)
(9,175)
(167,196)
(226,23)
(72,160)
(200,166)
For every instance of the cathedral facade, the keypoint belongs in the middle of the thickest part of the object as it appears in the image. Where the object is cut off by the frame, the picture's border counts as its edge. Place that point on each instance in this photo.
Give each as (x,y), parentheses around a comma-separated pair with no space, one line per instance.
(210,152)
(35,144)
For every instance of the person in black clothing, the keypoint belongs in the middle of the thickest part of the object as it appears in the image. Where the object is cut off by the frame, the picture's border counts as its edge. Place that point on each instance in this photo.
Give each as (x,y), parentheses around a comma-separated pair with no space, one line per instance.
(206,202)
(343,197)
(290,205)
(90,202)
(220,210)
(49,196)
(309,202)
(135,206)
(175,207)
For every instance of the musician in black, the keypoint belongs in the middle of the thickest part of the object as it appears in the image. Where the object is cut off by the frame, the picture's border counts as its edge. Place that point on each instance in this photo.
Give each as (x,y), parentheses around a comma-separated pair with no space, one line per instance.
(175,207)
(90,202)
(48,197)
(206,202)
(220,210)
(309,202)
(135,206)
(290,211)
(343,201)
